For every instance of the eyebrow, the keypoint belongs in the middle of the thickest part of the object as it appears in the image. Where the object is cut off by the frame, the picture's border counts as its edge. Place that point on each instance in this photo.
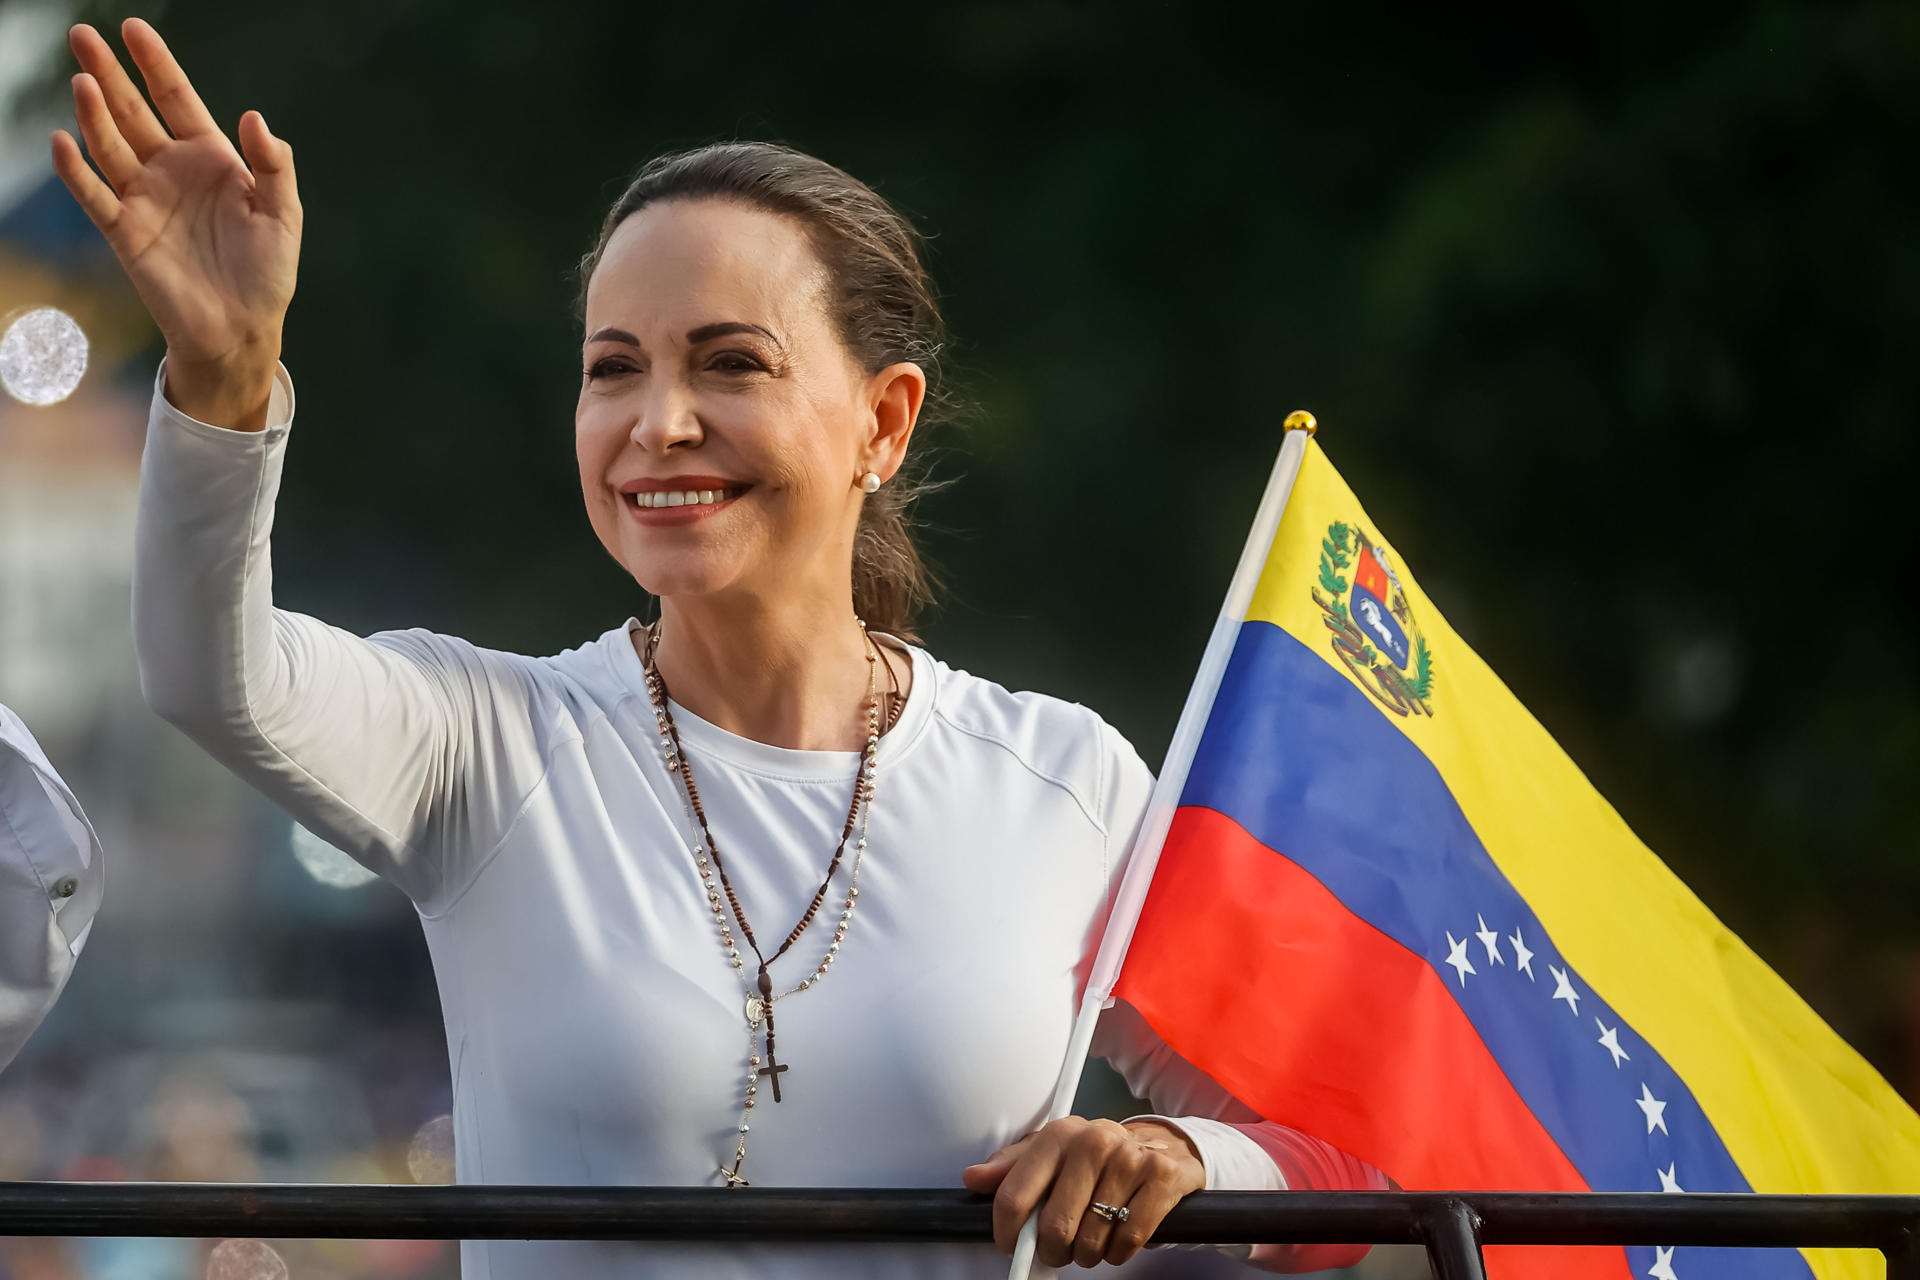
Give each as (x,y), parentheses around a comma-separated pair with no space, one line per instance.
(704,333)
(721,329)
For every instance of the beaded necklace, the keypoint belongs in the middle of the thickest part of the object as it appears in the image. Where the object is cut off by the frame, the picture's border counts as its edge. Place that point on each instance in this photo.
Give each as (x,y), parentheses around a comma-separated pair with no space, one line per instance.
(760,995)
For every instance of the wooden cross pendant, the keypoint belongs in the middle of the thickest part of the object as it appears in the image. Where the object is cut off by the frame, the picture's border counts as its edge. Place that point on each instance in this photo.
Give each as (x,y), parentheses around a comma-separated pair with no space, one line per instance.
(773,1069)
(774,1066)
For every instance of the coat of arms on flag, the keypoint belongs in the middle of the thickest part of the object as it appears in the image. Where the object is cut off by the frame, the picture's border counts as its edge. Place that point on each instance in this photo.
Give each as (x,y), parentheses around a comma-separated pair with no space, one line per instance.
(1372,623)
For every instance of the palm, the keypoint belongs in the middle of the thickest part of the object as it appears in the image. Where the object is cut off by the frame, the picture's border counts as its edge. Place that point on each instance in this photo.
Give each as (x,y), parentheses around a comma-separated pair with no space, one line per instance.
(210,240)
(205,259)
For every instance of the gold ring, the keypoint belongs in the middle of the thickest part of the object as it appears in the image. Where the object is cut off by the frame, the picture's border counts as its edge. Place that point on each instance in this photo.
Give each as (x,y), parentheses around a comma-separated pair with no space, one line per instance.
(1111,1212)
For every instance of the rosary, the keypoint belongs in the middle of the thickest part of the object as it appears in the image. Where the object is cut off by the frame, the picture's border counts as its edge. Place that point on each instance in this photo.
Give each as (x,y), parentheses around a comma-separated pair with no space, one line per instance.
(760,995)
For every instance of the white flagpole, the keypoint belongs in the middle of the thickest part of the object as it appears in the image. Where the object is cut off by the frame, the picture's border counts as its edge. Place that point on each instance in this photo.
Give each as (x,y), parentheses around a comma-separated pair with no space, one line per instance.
(1167,788)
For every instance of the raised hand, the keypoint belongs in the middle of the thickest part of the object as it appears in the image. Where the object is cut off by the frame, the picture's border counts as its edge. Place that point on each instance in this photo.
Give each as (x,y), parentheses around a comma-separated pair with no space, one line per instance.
(210,240)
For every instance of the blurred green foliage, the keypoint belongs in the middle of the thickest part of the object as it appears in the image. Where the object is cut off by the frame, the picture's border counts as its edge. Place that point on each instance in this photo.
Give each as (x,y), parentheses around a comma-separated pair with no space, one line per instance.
(1608,312)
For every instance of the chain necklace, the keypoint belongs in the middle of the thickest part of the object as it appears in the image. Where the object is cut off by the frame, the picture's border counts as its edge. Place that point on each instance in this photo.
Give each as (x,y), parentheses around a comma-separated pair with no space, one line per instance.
(760,995)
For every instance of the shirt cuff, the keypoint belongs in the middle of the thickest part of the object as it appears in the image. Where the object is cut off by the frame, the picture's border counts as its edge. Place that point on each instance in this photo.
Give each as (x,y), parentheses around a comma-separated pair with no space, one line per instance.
(1233,1161)
(279,403)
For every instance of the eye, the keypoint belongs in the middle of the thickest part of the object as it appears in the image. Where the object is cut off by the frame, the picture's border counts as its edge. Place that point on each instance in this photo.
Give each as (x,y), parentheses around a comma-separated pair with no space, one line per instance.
(607,367)
(736,362)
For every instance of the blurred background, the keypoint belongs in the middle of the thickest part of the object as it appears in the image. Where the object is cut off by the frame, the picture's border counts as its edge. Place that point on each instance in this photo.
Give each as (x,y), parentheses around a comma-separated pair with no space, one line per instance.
(1609,316)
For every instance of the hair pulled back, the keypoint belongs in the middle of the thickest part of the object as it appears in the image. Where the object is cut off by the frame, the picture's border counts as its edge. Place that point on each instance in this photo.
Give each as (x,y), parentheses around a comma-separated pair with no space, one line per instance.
(884,307)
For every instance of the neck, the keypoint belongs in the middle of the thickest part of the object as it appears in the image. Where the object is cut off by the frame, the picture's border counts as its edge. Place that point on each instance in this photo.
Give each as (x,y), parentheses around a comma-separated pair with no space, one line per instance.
(790,674)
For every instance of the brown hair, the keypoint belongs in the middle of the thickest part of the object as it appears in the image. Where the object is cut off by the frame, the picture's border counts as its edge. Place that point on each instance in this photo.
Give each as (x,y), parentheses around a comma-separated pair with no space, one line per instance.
(883,303)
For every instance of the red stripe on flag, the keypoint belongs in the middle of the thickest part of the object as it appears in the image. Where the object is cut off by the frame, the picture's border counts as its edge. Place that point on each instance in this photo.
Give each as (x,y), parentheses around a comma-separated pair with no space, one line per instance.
(1255,972)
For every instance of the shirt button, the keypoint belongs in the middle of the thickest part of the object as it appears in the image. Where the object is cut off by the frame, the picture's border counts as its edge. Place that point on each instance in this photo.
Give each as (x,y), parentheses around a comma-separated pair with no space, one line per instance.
(66,887)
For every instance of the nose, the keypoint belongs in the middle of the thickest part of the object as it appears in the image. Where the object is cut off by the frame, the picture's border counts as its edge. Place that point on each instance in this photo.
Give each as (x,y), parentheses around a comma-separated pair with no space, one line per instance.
(667,418)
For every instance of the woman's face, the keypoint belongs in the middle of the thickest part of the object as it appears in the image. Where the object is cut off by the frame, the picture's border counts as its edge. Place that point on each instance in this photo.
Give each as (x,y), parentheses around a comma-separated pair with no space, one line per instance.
(722,424)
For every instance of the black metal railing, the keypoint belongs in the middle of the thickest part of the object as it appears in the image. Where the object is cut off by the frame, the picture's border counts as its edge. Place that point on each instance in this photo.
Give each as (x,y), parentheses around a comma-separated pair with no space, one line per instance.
(1452,1226)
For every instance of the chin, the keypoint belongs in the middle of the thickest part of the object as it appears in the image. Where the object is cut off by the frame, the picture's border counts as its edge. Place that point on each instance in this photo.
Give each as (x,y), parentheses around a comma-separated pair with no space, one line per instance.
(678,573)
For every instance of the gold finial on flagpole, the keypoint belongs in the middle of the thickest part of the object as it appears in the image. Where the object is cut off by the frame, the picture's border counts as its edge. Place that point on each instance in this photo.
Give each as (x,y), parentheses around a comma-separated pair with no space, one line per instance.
(1301,420)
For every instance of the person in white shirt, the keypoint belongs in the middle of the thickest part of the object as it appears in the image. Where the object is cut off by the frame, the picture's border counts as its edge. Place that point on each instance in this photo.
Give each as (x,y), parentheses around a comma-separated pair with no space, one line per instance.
(51,879)
(763,893)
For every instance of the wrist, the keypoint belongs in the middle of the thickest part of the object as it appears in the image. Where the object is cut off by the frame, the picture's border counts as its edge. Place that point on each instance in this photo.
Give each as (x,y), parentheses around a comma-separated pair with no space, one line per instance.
(230,391)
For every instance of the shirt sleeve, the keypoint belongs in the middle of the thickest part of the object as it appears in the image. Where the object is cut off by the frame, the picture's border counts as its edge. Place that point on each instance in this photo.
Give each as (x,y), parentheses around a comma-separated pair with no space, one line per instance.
(408,750)
(1239,1150)
(51,879)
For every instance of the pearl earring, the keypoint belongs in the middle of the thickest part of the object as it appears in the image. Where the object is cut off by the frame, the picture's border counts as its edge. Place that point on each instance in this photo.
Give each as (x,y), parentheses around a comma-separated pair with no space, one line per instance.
(870,482)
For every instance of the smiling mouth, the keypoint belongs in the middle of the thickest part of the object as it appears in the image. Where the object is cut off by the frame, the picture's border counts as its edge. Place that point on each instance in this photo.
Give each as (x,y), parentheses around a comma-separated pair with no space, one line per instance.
(685,497)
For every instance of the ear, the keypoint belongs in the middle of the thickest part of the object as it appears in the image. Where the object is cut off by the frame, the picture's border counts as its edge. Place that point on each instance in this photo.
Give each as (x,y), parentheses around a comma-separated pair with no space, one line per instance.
(894,397)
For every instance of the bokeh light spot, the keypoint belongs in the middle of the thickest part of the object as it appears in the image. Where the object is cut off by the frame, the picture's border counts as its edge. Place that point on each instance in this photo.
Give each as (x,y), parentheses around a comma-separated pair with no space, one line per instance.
(430,1155)
(325,863)
(245,1260)
(42,357)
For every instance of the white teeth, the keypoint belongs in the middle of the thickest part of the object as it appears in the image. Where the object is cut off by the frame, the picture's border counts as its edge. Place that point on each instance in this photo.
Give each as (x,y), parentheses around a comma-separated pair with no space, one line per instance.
(686,498)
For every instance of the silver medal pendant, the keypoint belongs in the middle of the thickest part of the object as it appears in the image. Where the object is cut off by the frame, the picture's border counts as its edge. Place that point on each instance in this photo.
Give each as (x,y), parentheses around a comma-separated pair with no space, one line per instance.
(756,1010)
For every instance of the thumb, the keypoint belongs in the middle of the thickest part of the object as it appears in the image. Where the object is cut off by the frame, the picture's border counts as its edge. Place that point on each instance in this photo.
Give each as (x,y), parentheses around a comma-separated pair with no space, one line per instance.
(271,160)
(985,1177)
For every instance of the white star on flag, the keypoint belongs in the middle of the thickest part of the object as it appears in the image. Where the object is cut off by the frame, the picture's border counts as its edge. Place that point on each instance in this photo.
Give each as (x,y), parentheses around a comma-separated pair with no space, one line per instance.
(1457,957)
(1563,990)
(1610,1041)
(1522,956)
(1662,1268)
(1667,1181)
(1656,1110)
(1490,940)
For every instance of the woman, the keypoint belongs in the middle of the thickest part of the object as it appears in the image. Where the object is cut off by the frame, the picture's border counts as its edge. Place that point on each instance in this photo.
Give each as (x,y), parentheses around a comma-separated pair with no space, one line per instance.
(762,893)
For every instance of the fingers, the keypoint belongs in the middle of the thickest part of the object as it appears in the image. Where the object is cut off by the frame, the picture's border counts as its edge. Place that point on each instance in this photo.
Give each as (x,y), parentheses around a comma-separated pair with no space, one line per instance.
(1155,1196)
(271,160)
(130,111)
(1090,1151)
(1020,1190)
(1120,1180)
(167,84)
(118,164)
(93,195)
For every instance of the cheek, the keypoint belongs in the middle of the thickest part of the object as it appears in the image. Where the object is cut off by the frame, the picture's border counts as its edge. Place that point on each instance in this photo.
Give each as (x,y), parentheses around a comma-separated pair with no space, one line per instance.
(780,443)
(808,498)
(598,431)
(598,437)
(810,446)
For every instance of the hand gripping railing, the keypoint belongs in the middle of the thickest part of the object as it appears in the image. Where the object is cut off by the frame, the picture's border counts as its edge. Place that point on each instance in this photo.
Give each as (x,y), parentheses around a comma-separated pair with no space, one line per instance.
(1451,1225)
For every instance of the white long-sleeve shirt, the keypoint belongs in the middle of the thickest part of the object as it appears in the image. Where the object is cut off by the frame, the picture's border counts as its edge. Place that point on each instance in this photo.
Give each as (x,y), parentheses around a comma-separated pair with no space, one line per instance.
(594,1024)
(51,879)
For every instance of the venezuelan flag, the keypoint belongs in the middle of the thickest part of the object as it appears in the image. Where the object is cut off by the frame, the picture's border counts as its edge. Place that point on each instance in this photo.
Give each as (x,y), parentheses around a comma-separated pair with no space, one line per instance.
(1391,912)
